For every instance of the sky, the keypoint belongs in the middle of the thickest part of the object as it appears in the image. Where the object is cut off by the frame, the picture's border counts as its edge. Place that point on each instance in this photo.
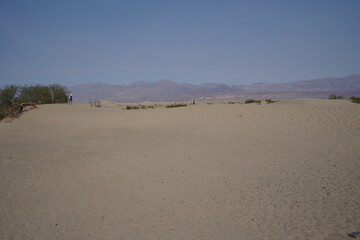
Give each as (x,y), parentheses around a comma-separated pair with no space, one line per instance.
(225,41)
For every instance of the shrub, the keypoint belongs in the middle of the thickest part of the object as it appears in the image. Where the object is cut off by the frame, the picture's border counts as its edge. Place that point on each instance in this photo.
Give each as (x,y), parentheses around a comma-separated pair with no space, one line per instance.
(12,94)
(129,107)
(355,99)
(58,93)
(54,93)
(36,94)
(174,105)
(334,96)
(249,101)
(8,96)
(231,102)
(2,113)
(269,101)
(13,111)
(16,109)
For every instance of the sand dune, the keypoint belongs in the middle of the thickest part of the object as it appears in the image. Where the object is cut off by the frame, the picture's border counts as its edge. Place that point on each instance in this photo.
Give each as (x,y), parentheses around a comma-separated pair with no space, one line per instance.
(288,170)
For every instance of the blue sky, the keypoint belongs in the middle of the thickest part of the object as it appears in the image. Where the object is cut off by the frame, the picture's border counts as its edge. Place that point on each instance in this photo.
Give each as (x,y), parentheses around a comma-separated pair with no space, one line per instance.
(233,42)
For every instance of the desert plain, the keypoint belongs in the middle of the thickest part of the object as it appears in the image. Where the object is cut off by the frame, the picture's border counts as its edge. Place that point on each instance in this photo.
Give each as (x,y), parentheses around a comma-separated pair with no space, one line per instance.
(286,170)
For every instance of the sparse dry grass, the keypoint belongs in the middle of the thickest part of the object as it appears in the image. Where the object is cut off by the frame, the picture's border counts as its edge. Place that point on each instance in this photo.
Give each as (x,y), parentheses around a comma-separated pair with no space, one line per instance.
(174,105)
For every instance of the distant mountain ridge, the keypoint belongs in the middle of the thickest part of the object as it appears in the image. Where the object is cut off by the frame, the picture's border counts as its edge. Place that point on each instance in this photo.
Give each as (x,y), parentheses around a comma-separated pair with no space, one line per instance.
(166,90)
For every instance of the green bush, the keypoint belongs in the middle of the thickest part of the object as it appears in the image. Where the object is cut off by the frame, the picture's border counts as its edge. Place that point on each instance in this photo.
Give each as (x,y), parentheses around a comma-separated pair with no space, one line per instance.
(269,101)
(130,107)
(174,105)
(8,96)
(334,96)
(355,99)
(59,93)
(249,101)
(2,113)
(35,94)
(38,94)
(41,94)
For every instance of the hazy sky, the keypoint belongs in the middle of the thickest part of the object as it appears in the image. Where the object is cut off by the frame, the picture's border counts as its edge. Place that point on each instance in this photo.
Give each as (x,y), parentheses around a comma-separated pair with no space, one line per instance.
(233,42)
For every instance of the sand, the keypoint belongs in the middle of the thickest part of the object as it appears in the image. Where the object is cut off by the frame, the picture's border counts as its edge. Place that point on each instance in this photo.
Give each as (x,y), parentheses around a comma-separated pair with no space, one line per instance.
(287,170)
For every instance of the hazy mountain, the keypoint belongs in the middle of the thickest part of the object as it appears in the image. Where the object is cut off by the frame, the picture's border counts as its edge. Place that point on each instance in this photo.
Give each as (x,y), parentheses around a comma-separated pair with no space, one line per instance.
(165,90)
(347,83)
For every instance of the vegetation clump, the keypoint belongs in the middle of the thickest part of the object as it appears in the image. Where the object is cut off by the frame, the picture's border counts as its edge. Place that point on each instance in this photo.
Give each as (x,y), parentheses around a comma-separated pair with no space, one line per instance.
(250,101)
(174,105)
(12,96)
(131,107)
(269,101)
(41,94)
(232,102)
(13,111)
(355,99)
(334,96)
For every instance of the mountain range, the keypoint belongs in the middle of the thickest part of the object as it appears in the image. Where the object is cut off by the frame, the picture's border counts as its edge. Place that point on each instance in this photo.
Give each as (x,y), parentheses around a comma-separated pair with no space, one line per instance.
(166,90)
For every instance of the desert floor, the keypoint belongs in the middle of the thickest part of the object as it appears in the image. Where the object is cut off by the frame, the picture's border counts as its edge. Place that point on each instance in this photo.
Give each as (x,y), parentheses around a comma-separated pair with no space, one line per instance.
(287,170)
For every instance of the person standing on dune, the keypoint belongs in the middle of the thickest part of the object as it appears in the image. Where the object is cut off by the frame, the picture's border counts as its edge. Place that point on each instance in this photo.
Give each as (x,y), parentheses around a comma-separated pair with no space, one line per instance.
(70,98)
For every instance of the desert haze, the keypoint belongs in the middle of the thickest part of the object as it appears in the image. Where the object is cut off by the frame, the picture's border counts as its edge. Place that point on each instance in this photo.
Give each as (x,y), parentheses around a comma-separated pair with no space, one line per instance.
(166,90)
(286,170)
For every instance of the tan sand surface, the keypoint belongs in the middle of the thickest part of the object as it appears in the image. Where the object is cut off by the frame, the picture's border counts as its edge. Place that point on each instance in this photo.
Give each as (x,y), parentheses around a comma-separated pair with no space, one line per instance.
(287,170)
